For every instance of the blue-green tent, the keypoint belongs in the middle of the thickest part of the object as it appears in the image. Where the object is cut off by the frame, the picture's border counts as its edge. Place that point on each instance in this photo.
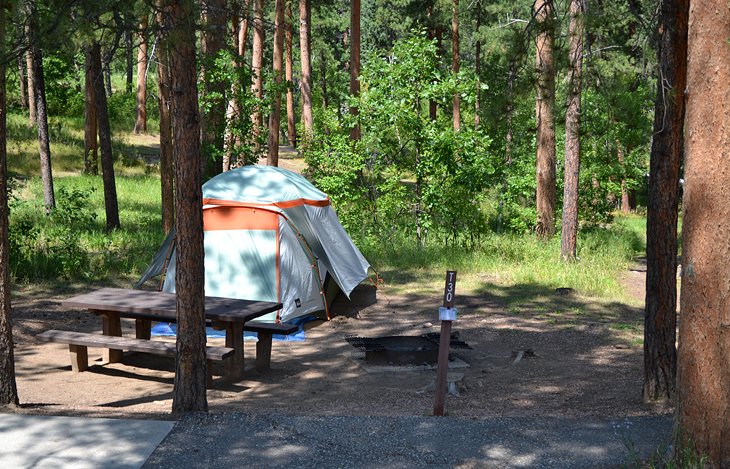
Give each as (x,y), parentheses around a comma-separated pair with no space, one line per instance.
(270,235)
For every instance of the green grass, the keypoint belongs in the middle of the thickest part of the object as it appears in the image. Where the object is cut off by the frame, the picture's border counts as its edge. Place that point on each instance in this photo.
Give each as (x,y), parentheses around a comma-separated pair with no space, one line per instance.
(501,261)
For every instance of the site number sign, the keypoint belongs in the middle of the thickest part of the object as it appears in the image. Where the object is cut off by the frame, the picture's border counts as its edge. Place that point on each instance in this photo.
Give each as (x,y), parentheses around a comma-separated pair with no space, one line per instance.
(450,289)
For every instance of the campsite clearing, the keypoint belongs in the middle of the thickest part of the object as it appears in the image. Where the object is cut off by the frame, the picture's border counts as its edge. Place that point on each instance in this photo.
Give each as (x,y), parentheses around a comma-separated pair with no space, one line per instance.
(581,365)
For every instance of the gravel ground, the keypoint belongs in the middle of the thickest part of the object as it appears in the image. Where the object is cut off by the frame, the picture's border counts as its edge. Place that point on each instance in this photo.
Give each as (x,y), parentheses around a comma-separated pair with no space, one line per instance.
(272,440)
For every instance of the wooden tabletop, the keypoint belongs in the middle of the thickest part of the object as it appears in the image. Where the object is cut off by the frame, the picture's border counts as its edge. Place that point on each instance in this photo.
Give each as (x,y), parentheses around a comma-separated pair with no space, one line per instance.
(158,305)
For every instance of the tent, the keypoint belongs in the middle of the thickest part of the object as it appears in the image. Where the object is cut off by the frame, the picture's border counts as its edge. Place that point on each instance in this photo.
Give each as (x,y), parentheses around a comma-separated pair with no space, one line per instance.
(270,235)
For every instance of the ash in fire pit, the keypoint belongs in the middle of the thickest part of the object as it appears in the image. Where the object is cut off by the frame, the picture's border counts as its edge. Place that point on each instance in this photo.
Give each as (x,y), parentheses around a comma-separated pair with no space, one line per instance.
(401,349)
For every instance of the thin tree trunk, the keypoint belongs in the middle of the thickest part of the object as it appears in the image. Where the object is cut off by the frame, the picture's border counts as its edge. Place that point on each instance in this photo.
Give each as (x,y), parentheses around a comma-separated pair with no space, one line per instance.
(478,65)
(189,392)
(164,82)
(625,205)
(32,107)
(323,79)
(243,30)
(140,125)
(545,67)
(455,60)
(660,319)
(290,117)
(129,55)
(275,116)
(233,110)
(305,51)
(703,374)
(257,62)
(22,83)
(44,145)
(355,65)
(213,122)
(91,155)
(107,72)
(569,233)
(105,142)
(8,388)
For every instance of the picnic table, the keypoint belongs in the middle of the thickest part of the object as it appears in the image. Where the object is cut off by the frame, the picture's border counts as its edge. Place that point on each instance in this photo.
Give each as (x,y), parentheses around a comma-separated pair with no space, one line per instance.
(112,304)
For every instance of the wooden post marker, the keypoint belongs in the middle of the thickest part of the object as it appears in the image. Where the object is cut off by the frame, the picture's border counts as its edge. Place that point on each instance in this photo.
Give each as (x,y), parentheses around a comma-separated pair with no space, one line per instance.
(447,314)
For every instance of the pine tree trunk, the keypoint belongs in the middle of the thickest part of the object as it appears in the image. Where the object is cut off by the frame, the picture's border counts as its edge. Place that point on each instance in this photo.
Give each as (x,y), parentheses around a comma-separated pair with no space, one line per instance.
(456,109)
(22,83)
(289,76)
(569,233)
(105,142)
(305,51)
(91,155)
(233,110)
(355,64)
(107,72)
(275,116)
(129,56)
(545,68)
(660,320)
(8,388)
(625,204)
(189,392)
(44,145)
(478,65)
(323,79)
(703,359)
(213,122)
(166,160)
(140,125)
(32,107)
(257,63)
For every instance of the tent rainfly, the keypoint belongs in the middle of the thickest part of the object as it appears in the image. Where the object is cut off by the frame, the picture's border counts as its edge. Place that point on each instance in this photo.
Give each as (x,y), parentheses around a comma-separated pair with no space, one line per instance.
(270,235)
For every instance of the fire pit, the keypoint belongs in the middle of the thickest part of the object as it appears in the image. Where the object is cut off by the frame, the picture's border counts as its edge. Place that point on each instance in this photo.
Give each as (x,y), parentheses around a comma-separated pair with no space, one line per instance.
(401,349)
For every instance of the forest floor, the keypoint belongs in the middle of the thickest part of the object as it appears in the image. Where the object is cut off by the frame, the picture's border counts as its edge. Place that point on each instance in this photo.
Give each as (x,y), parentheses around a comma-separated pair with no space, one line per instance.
(554,355)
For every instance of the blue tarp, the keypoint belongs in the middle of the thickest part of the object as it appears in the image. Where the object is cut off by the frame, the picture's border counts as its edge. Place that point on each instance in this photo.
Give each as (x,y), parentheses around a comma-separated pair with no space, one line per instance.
(166,329)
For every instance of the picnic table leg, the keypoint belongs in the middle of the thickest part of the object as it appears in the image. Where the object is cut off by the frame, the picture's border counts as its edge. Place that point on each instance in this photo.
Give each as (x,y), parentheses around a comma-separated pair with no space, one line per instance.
(234,340)
(143,328)
(111,325)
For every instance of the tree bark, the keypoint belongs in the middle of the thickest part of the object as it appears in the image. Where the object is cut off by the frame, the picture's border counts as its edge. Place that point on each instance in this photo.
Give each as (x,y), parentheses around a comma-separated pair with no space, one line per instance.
(703,374)
(233,109)
(107,72)
(91,155)
(8,388)
(291,130)
(478,65)
(189,392)
(32,108)
(275,116)
(140,125)
(545,68)
(105,142)
(213,122)
(164,82)
(128,55)
(456,108)
(569,233)
(305,51)
(257,63)
(625,204)
(41,116)
(355,66)
(660,319)
(22,82)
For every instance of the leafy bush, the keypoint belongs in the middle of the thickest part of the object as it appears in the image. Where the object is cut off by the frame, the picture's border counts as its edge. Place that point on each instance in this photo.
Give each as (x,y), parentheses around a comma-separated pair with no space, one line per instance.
(409,174)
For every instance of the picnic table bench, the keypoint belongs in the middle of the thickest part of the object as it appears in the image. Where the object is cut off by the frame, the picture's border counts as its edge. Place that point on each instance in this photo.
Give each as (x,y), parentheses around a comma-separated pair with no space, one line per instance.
(78,343)
(145,306)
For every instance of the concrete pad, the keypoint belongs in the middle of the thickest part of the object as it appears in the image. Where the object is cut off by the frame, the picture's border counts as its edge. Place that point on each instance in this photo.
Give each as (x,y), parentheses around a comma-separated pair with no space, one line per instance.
(53,442)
